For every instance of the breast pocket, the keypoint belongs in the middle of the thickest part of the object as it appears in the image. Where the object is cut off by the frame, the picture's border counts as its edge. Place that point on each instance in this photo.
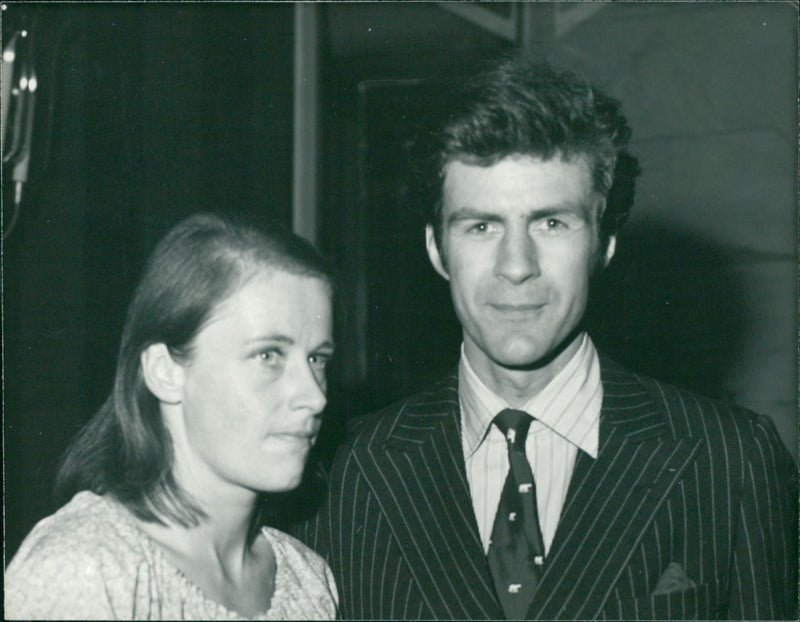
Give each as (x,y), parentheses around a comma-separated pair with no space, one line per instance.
(696,603)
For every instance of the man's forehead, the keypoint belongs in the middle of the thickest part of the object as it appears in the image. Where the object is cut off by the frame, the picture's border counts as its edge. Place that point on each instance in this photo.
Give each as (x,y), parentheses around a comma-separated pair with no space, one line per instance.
(544,182)
(576,159)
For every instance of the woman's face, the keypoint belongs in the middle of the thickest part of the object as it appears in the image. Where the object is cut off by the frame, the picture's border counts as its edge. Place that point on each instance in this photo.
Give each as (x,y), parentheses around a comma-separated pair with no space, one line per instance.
(254,387)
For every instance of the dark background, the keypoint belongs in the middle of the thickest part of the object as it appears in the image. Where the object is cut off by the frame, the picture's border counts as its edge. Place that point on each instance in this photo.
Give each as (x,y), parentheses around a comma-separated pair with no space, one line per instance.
(147,113)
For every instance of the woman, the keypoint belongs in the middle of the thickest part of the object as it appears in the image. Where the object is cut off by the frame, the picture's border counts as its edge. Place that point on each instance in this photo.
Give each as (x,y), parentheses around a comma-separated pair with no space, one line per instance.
(219,387)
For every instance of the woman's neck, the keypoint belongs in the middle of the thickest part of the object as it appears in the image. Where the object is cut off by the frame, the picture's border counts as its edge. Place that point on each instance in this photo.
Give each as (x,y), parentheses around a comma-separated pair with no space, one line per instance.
(220,558)
(221,538)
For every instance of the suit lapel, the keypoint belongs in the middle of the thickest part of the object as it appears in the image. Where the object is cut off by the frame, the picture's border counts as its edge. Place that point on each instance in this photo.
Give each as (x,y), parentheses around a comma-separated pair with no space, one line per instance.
(611,500)
(417,476)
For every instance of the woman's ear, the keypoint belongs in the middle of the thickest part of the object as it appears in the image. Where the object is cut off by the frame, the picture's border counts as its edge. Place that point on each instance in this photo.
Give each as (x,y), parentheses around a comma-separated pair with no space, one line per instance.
(162,375)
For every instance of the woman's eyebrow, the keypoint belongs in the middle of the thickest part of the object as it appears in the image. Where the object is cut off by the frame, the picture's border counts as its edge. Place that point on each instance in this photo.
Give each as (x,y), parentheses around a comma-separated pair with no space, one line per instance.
(271,338)
(326,345)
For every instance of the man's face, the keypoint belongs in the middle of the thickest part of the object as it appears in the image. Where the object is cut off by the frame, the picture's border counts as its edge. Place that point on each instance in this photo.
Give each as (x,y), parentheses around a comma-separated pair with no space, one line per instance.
(520,240)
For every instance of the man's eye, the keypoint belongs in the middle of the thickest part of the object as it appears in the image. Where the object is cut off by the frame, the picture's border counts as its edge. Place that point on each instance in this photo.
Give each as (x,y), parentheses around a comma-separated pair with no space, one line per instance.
(480,228)
(553,225)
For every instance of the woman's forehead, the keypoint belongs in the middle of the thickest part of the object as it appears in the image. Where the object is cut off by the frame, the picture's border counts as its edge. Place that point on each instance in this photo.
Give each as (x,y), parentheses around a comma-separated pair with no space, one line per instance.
(274,295)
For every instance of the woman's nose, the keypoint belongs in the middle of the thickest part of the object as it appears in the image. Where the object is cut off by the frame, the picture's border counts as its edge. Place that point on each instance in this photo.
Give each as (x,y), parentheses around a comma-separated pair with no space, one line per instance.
(309,390)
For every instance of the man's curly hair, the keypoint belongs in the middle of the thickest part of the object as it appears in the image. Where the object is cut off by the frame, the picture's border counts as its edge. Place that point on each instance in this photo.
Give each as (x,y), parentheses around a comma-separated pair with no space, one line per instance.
(523,108)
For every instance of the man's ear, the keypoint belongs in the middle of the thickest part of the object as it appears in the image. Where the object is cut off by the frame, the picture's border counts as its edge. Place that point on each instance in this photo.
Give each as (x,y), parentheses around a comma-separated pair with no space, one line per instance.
(611,247)
(433,252)
(162,375)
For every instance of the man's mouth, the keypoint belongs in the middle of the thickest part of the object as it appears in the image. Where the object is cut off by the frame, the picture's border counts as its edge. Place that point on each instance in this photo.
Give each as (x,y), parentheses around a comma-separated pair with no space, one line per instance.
(521,307)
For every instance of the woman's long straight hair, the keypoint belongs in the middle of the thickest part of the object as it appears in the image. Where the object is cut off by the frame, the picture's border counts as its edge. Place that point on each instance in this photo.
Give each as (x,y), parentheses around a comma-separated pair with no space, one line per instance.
(125,450)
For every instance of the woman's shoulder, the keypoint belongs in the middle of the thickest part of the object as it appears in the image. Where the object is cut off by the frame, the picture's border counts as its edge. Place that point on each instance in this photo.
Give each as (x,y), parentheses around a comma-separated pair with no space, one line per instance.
(304,584)
(292,556)
(285,545)
(68,561)
(89,522)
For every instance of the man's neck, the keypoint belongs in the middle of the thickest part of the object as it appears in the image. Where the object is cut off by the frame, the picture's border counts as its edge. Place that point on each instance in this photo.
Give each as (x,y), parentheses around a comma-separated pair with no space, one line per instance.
(517,386)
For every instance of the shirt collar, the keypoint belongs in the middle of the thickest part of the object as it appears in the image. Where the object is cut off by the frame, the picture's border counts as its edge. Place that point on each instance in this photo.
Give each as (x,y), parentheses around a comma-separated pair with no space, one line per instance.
(569,404)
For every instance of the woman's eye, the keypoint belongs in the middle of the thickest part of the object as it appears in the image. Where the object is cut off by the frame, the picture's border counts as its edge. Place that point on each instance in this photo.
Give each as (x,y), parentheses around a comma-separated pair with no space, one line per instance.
(319,361)
(271,356)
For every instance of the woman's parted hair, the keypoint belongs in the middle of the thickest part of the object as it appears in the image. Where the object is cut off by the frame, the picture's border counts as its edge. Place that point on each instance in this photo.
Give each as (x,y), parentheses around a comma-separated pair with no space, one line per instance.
(125,450)
(524,108)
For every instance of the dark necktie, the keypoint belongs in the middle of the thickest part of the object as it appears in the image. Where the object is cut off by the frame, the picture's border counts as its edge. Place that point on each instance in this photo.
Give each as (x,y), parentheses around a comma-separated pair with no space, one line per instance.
(516,550)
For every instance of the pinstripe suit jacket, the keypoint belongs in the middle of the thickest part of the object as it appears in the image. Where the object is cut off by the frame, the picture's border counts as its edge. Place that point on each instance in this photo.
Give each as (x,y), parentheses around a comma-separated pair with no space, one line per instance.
(679,481)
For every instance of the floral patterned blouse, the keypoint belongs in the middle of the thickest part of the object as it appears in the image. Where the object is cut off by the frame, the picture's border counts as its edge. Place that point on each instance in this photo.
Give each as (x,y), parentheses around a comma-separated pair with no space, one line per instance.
(89,561)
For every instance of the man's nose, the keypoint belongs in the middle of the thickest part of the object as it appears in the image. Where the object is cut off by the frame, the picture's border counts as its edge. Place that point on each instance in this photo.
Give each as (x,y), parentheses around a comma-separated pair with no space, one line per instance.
(517,257)
(308,390)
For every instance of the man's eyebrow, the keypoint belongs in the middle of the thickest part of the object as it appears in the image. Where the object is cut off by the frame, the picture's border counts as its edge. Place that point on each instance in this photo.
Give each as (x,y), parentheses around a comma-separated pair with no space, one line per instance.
(558,210)
(471,213)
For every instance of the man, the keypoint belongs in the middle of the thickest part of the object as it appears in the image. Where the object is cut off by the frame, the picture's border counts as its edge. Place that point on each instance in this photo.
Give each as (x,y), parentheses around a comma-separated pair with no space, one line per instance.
(540,480)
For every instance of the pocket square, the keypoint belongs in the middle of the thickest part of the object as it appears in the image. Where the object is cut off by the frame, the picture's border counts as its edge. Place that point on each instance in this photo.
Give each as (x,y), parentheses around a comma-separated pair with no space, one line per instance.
(673,579)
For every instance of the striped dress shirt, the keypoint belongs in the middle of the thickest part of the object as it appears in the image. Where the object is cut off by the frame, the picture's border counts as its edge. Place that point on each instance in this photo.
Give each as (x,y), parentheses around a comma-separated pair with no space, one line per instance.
(567,418)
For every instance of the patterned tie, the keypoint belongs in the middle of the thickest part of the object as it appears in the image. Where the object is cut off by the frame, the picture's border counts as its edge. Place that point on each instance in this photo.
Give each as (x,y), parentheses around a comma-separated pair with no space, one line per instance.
(516,551)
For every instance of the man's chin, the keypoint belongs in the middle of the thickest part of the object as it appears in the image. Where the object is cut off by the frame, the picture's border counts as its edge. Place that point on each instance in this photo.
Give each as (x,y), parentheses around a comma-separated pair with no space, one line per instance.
(524,363)
(524,356)
(530,357)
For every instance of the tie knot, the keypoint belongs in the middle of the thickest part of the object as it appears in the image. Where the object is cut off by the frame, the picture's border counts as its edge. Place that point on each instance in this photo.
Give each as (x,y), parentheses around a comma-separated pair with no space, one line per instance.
(514,425)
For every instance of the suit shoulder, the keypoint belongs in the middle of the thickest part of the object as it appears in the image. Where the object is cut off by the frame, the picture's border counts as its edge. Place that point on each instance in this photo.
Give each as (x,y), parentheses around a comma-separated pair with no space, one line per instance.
(378,425)
(689,413)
